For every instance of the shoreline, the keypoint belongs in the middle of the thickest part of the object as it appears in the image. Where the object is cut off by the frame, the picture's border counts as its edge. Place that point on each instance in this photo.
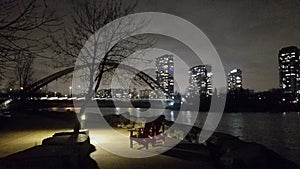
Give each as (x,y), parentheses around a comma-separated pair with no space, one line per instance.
(146,104)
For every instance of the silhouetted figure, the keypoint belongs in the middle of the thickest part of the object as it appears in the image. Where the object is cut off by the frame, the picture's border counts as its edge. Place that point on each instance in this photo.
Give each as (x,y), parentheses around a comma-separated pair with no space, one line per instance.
(158,123)
(77,125)
(152,128)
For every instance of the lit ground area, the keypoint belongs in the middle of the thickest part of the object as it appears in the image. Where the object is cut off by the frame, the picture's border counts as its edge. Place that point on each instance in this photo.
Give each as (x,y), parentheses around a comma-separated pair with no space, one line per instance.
(26,132)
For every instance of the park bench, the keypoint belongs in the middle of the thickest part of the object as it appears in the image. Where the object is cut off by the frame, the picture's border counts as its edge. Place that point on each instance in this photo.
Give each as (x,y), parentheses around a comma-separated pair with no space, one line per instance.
(152,132)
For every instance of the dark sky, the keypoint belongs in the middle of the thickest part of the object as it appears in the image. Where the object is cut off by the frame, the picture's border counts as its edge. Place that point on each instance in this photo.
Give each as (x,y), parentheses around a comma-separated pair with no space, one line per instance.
(246,34)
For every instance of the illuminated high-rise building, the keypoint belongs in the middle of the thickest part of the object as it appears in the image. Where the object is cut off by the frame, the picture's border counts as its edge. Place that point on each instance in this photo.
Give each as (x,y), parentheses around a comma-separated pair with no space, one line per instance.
(289,70)
(200,80)
(165,73)
(209,83)
(235,80)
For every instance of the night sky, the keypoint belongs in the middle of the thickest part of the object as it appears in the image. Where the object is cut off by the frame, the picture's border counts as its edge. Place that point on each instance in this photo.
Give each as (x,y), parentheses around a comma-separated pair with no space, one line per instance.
(246,34)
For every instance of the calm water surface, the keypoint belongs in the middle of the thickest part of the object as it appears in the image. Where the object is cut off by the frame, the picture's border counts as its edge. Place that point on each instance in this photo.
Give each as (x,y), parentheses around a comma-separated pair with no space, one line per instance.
(279,132)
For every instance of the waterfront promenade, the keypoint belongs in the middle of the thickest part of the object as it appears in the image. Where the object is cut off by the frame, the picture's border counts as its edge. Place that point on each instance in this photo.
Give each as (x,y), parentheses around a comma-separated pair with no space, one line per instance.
(18,137)
(22,136)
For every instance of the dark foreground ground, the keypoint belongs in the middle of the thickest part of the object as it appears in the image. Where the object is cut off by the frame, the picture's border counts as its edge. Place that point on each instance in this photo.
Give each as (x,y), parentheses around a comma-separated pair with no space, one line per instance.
(21,147)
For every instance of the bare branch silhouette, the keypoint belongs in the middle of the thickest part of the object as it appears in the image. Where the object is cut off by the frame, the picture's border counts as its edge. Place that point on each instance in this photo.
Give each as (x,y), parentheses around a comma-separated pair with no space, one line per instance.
(23,25)
(88,41)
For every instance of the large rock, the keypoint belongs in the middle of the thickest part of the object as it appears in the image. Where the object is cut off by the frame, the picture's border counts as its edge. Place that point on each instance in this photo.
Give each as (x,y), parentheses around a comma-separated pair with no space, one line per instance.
(118,120)
(230,152)
(65,150)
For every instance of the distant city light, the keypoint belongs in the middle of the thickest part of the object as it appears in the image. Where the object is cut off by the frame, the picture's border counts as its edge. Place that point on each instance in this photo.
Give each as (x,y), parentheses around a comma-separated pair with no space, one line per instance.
(165,73)
(200,80)
(83,117)
(289,70)
(235,79)
(234,71)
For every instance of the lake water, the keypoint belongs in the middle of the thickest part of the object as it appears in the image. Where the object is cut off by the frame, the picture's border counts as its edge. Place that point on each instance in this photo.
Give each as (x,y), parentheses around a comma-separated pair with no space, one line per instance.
(279,132)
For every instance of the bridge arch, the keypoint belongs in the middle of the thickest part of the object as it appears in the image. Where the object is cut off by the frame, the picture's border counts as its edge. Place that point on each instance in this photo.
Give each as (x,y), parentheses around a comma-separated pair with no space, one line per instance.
(46,80)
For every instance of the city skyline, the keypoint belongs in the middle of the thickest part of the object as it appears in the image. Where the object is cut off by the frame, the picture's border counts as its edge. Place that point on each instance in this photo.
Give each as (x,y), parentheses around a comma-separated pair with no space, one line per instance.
(246,35)
(281,56)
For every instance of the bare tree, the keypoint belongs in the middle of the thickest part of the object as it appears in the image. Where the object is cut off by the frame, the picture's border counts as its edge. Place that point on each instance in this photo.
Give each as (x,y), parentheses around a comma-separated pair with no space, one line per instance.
(24,70)
(83,41)
(87,18)
(22,26)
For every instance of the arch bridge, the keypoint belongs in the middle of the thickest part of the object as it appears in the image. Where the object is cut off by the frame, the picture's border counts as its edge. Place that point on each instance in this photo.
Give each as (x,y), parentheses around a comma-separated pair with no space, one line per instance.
(140,74)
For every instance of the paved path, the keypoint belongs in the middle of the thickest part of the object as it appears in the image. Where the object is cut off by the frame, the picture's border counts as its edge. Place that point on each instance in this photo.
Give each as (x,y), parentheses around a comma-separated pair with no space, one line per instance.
(176,158)
(18,135)
(15,141)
